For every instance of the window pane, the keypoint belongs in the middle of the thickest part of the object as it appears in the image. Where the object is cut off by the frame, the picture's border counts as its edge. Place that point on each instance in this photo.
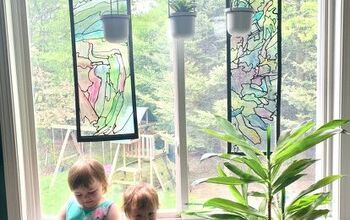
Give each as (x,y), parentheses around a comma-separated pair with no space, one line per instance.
(52,71)
(299,66)
(206,94)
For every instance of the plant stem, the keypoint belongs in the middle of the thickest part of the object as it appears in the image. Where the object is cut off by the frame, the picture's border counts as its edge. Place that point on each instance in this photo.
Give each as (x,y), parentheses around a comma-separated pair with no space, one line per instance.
(269,168)
(283,202)
(269,201)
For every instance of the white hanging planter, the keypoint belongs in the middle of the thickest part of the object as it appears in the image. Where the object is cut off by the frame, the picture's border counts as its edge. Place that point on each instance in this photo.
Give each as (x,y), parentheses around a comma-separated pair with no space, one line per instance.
(116,27)
(182,24)
(239,20)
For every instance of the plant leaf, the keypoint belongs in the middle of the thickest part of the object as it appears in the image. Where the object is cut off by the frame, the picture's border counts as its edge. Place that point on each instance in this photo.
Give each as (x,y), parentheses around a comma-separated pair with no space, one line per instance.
(296,167)
(303,145)
(243,175)
(225,180)
(256,166)
(319,184)
(257,194)
(303,202)
(227,126)
(286,182)
(234,207)
(333,124)
(298,145)
(214,214)
(234,191)
(245,147)
(223,156)
(308,211)
(293,136)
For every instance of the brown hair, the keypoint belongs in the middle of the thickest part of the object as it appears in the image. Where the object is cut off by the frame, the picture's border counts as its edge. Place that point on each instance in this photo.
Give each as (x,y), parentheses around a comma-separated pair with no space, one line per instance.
(140,196)
(84,172)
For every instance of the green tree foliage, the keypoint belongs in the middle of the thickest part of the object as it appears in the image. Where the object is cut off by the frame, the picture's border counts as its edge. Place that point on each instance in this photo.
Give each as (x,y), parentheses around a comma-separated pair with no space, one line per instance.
(51,62)
(299,60)
(205,64)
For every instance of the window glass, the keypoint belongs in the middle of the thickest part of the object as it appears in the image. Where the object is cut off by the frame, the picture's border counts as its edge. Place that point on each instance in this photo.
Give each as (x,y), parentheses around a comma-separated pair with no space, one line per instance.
(206,86)
(299,78)
(52,75)
(206,94)
(205,69)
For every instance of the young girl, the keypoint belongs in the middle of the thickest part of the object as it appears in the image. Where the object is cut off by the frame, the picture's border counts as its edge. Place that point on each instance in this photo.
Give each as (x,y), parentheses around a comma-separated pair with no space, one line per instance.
(88,181)
(140,202)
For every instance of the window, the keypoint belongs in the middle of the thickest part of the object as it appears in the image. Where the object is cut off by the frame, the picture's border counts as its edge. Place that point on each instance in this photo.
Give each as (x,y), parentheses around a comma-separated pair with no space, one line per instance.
(57,147)
(51,70)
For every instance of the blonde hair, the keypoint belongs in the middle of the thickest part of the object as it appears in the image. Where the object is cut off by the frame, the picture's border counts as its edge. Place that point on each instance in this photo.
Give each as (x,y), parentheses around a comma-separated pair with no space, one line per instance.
(139,196)
(84,172)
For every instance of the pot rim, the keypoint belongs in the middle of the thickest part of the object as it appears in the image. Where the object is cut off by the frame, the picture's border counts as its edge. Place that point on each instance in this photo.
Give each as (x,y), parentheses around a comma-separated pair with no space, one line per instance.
(239,9)
(108,16)
(178,14)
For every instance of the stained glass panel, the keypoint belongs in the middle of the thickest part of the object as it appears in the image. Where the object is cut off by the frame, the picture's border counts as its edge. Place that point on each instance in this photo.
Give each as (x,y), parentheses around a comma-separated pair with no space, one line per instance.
(254,77)
(104,80)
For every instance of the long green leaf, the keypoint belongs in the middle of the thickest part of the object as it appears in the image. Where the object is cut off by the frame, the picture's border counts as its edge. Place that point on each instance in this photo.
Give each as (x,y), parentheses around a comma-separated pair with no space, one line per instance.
(215,215)
(234,191)
(308,212)
(296,167)
(319,184)
(257,194)
(226,180)
(282,138)
(333,124)
(303,145)
(234,207)
(256,166)
(316,214)
(227,216)
(304,202)
(293,136)
(227,126)
(243,175)
(275,170)
(222,156)
(246,148)
(286,183)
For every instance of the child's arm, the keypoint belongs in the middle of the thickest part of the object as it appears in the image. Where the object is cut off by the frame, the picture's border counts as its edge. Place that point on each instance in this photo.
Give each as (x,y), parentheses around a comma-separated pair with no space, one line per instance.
(113,213)
(62,215)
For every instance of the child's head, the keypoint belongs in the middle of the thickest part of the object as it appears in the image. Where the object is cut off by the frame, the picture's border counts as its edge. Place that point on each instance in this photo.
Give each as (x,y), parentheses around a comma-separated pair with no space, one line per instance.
(88,181)
(140,202)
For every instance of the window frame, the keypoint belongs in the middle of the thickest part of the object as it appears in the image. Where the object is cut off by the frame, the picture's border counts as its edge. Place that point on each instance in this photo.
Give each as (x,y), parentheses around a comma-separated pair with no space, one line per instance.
(18,139)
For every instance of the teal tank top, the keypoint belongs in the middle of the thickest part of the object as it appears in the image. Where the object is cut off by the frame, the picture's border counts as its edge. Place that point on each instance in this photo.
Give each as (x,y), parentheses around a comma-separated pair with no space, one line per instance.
(75,212)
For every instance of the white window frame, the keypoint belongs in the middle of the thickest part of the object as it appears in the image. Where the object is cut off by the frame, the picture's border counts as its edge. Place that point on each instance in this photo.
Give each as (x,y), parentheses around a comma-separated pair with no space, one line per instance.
(342,108)
(333,97)
(17,116)
(17,113)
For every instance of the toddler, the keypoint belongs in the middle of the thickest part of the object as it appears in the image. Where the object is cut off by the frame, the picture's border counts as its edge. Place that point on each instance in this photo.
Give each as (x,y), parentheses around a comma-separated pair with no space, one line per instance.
(88,181)
(140,202)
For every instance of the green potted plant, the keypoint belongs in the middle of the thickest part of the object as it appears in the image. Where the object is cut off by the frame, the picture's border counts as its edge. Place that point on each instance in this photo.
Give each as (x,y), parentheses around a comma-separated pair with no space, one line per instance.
(274,171)
(182,15)
(116,23)
(239,17)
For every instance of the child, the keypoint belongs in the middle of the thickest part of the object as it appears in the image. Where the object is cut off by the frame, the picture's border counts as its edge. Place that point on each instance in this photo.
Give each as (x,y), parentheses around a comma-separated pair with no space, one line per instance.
(88,181)
(140,202)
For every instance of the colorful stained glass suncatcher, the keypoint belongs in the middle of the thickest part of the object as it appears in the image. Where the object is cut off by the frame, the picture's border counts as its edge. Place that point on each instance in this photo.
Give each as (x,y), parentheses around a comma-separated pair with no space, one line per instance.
(255,74)
(104,78)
